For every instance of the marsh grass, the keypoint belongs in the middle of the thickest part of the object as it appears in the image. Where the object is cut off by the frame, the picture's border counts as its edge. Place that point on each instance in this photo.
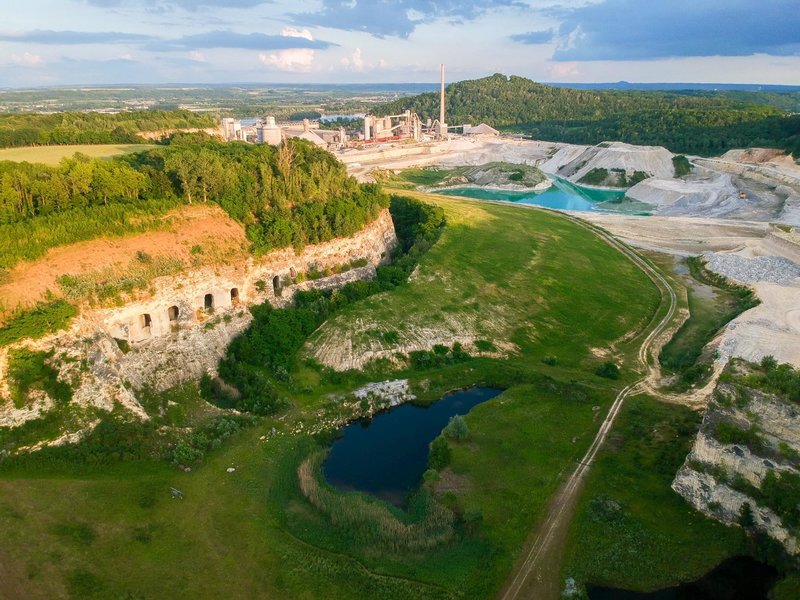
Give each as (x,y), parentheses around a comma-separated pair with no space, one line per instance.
(369,521)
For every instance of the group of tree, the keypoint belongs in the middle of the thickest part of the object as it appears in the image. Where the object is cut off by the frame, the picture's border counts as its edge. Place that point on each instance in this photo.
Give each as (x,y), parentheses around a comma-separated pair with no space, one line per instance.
(35,129)
(288,196)
(688,122)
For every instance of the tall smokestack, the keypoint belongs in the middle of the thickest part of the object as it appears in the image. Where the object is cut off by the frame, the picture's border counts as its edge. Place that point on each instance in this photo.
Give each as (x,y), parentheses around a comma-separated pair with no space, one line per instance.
(441,100)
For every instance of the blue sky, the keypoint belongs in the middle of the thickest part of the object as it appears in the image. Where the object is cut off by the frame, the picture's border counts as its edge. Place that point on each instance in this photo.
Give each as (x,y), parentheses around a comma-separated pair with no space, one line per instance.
(54,42)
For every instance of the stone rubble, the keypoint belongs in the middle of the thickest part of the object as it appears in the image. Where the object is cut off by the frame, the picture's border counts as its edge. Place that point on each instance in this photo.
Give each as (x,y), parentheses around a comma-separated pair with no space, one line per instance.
(775,269)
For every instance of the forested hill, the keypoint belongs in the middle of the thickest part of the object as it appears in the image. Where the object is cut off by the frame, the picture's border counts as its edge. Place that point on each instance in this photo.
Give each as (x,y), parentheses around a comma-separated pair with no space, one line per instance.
(684,122)
(26,129)
(289,196)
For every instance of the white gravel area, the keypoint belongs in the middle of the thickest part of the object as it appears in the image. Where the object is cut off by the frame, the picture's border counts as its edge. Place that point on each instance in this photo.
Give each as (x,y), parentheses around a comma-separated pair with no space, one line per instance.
(396,391)
(774,269)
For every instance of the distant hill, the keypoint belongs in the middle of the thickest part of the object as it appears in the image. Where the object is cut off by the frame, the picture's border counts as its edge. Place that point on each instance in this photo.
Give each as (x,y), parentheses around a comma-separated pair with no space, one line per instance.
(698,123)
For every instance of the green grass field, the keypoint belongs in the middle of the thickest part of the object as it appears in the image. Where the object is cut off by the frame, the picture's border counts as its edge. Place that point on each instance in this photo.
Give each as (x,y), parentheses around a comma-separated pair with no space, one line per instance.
(530,280)
(52,155)
(631,530)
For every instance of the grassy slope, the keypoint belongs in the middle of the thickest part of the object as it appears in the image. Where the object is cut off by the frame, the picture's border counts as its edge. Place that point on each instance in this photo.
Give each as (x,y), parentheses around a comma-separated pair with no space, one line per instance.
(52,155)
(654,539)
(562,292)
(511,275)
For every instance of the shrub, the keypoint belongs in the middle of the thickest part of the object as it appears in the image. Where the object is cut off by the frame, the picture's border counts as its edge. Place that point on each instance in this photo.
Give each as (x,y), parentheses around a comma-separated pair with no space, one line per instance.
(37,322)
(682,165)
(457,428)
(550,360)
(485,346)
(608,369)
(440,454)
(29,370)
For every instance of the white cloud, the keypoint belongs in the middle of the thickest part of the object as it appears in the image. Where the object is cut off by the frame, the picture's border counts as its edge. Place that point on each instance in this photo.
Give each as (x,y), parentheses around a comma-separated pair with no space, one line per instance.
(297,33)
(197,56)
(563,70)
(27,59)
(358,62)
(298,60)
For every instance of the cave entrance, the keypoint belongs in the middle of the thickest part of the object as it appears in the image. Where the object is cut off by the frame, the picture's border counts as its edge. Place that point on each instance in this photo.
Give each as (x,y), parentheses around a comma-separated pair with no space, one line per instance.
(173,313)
(208,302)
(235,296)
(276,285)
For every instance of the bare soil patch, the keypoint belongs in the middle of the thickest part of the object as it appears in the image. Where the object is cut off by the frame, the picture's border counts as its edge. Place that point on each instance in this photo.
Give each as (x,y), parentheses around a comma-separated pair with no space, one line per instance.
(206,227)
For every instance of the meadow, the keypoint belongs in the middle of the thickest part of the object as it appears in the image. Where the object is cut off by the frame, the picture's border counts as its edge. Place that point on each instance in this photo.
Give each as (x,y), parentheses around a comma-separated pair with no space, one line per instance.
(52,155)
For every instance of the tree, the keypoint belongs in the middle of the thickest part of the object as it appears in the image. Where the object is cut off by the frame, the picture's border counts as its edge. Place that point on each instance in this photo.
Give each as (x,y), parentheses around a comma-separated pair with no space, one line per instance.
(457,428)
(440,454)
(180,164)
(746,519)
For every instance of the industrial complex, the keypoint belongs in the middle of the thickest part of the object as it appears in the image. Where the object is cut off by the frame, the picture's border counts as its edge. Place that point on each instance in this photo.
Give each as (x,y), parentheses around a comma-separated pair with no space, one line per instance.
(376,129)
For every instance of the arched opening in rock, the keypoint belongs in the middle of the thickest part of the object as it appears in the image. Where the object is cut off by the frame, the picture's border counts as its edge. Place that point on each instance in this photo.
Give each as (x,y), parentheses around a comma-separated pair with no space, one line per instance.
(173,313)
(234,295)
(147,321)
(208,302)
(276,285)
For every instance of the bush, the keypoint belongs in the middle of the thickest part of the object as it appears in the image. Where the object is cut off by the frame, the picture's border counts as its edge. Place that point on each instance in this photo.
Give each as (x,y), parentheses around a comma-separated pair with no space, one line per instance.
(608,370)
(29,370)
(457,428)
(550,360)
(682,165)
(37,322)
(440,454)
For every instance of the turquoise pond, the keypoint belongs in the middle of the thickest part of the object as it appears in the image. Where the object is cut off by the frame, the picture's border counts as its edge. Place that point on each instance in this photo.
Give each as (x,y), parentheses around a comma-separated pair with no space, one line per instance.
(562,195)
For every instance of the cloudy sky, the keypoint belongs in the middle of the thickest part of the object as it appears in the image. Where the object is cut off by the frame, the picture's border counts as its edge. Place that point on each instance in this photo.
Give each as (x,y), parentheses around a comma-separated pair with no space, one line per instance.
(49,42)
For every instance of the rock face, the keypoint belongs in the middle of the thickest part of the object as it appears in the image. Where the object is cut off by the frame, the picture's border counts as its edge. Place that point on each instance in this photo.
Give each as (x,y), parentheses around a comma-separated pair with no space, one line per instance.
(183,325)
(715,195)
(748,440)
(574,162)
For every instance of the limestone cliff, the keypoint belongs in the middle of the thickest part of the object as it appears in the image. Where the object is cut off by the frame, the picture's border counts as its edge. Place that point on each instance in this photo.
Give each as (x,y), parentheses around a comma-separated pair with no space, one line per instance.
(747,452)
(180,327)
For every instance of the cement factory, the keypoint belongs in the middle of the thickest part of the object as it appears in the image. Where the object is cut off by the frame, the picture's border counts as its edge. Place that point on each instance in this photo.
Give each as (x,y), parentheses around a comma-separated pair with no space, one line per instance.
(376,129)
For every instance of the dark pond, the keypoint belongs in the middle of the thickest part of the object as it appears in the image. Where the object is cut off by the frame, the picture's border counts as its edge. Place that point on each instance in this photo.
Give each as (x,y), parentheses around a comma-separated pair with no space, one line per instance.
(739,578)
(387,455)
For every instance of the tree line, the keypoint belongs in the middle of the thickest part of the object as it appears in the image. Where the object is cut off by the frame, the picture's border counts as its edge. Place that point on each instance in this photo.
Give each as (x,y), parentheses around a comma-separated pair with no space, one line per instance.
(684,122)
(288,196)
(34,129)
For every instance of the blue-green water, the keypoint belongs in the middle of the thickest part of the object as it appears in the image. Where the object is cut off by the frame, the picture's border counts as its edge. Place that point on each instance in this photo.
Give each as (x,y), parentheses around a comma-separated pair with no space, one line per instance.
(561,195)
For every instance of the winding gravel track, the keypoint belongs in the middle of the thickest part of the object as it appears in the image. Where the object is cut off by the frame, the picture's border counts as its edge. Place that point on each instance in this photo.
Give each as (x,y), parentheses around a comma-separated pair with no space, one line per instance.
(538,575)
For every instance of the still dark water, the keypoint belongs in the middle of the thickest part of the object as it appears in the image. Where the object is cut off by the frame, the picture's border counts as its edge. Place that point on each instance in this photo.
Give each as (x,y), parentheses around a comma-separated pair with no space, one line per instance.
(561,195)
(387,455)
(739,578)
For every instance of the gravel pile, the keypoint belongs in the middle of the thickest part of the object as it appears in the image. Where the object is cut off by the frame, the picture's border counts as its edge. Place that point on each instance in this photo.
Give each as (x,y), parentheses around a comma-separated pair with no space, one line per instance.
(775,269)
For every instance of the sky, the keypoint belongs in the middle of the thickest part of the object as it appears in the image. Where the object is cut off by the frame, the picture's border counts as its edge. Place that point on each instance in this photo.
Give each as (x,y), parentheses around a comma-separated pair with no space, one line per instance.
(95,42)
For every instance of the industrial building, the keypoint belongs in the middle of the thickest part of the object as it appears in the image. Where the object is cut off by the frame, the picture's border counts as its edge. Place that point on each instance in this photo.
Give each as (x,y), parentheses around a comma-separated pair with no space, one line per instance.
(377,129)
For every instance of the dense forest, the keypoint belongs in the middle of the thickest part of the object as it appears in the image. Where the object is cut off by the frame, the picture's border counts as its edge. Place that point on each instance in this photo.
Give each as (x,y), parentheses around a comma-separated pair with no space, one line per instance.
(288,196)
(695,123)
(32,129)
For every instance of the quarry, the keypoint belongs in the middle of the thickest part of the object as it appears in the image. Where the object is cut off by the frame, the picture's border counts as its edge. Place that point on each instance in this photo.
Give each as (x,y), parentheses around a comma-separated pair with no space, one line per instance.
(499,291)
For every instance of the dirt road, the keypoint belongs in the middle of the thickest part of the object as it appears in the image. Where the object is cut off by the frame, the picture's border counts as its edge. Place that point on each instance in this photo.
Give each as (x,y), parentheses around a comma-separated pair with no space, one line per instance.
(537,576)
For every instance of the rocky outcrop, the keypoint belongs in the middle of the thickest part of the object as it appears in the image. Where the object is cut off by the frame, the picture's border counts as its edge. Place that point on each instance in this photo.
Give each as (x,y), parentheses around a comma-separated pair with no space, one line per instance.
(110,354)
(575,162)
(747,437)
